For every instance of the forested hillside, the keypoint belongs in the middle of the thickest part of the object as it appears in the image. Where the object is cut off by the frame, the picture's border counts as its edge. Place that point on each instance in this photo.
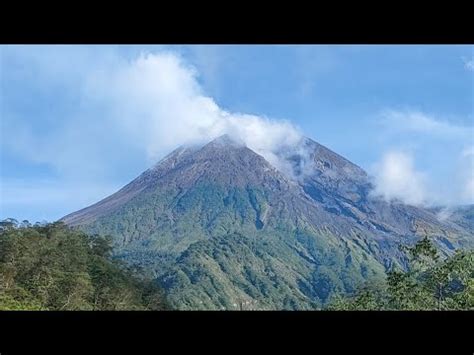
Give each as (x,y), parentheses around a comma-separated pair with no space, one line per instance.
(51,267)
(430,282)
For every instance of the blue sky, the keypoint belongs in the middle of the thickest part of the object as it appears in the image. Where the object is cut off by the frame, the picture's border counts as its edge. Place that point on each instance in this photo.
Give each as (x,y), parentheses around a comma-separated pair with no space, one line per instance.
(79,122)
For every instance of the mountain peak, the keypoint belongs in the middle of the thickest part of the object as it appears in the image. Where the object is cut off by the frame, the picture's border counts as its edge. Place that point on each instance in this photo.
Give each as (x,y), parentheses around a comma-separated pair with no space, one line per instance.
(226,140)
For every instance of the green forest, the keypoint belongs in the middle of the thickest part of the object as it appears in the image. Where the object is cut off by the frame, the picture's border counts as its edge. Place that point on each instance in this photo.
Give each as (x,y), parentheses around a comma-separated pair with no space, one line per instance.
(430,282)
(52,267)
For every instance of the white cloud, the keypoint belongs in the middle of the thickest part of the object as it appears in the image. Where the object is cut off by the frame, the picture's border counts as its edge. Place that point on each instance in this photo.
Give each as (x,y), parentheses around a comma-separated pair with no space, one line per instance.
(158,100)
(419,122)
(449,182)
(148,105)
(469,64)
(395,178)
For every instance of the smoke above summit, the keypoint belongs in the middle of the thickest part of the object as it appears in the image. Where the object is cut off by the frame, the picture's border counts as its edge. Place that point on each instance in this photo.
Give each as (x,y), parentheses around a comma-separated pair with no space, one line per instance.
(158,101)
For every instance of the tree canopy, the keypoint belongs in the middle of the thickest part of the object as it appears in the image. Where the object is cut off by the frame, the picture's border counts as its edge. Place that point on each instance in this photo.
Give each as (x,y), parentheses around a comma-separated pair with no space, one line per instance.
(430,282)
(52,267)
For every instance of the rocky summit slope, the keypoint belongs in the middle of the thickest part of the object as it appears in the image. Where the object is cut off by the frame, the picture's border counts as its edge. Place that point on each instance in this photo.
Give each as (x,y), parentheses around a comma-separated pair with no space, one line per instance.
(219,227)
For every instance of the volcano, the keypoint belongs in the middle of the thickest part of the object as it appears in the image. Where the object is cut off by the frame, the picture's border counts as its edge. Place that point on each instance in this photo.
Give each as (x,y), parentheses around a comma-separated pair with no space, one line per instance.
(218,226)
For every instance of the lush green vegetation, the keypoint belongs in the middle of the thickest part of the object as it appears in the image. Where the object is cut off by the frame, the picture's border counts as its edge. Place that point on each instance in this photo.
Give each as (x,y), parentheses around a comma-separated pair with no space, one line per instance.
(211,246)
(429,283)
(269,271)
(51,267)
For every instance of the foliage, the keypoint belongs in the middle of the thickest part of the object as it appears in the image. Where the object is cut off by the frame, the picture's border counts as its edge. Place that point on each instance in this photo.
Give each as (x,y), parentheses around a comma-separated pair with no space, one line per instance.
(212,245)
(51,267)
(429,283)
(265,271)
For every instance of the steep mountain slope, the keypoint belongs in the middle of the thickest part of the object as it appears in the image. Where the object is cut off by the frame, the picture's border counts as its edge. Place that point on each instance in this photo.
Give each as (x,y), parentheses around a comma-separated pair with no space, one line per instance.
(218,224)
(345,189)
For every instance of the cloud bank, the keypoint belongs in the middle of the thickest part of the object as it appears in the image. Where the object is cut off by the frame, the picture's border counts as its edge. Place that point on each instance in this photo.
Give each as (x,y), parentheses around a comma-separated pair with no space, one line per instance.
(398,176)
(397,179)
